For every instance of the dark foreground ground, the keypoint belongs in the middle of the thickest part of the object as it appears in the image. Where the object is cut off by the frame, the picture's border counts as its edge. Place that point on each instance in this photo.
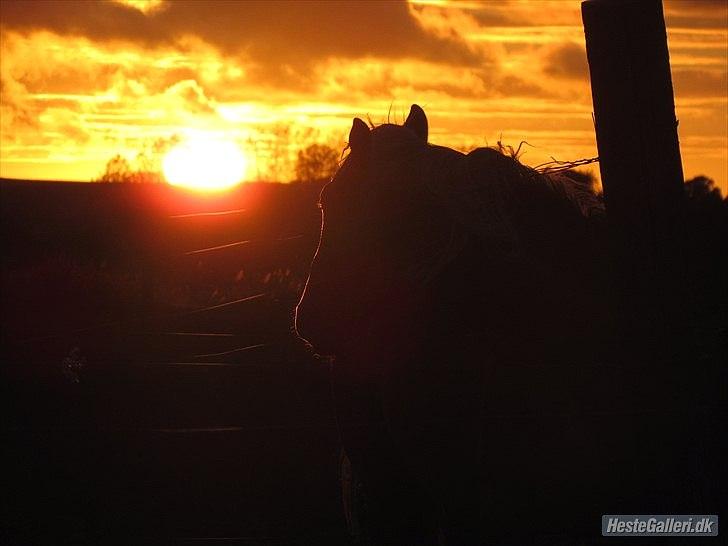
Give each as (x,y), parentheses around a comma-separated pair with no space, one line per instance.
(149,394)
(130,412)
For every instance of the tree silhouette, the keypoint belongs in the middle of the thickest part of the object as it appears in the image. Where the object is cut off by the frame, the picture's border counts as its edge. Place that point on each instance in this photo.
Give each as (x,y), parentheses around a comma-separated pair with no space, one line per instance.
(316,162)
(117,170)
(146,167)
(703,190)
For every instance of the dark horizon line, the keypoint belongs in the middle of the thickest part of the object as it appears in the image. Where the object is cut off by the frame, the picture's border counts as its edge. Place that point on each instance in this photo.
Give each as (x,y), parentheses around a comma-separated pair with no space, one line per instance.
(4,180)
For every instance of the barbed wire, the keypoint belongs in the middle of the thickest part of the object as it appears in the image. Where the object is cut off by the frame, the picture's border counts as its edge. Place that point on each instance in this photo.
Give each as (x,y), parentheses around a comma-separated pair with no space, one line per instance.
(556,166)
(141,319)
(212,213)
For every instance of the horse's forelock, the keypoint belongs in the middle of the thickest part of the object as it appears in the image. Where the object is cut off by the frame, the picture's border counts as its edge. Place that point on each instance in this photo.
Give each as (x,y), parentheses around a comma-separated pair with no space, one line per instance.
(386,165)
(396,142)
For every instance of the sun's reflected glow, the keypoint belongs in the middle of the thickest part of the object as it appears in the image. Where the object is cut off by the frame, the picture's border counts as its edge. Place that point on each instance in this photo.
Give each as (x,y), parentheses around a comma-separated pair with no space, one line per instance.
(205,164)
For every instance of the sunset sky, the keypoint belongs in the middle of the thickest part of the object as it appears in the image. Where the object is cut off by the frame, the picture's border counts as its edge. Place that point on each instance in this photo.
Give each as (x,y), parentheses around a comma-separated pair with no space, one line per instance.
(82,81)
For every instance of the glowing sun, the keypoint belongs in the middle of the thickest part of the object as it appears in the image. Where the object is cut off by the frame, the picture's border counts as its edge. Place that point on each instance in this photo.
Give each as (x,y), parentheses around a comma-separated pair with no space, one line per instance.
(205,164)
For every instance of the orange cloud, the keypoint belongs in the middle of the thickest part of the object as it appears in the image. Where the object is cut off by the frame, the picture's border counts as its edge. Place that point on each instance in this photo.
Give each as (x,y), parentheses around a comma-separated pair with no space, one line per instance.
(289,33)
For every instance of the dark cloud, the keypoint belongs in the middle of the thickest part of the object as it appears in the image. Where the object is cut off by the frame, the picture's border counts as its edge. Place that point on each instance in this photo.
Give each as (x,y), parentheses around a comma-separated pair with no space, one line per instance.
(514,13)
(455,83)
(704,14)
(567,61)
(707,14)
(486,14)
(279,35)
(514,86)
(94,20)
(700,83)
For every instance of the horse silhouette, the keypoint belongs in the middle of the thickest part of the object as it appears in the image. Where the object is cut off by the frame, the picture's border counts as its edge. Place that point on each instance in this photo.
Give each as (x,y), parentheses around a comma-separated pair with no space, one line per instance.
(435,269)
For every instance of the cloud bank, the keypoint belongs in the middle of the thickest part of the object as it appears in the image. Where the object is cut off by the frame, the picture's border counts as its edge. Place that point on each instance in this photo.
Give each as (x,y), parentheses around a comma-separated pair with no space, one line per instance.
(81,80)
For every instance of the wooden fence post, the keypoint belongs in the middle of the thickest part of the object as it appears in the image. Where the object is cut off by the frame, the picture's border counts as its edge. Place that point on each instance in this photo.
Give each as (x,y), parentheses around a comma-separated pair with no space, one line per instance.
(640,164)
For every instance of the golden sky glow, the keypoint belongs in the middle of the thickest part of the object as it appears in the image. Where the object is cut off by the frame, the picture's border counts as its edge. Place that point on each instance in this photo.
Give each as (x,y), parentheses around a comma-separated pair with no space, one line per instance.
(82,81)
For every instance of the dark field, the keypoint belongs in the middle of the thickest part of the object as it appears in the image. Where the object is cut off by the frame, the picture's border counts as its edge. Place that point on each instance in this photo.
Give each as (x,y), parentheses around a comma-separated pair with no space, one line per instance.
(150,392)
(120,418)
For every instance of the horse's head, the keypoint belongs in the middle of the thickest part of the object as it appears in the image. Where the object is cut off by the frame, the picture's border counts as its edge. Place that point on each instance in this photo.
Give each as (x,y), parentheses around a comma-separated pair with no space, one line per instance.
(379,224)
(399,211)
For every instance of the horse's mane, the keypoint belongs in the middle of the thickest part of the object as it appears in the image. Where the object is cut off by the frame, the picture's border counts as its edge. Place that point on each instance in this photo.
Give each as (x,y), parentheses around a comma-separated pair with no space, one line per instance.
(392,143)
(489,195)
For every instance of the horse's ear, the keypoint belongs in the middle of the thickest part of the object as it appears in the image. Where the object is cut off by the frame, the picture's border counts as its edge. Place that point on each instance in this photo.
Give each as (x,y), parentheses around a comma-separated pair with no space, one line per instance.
(359,136)
(417,122)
